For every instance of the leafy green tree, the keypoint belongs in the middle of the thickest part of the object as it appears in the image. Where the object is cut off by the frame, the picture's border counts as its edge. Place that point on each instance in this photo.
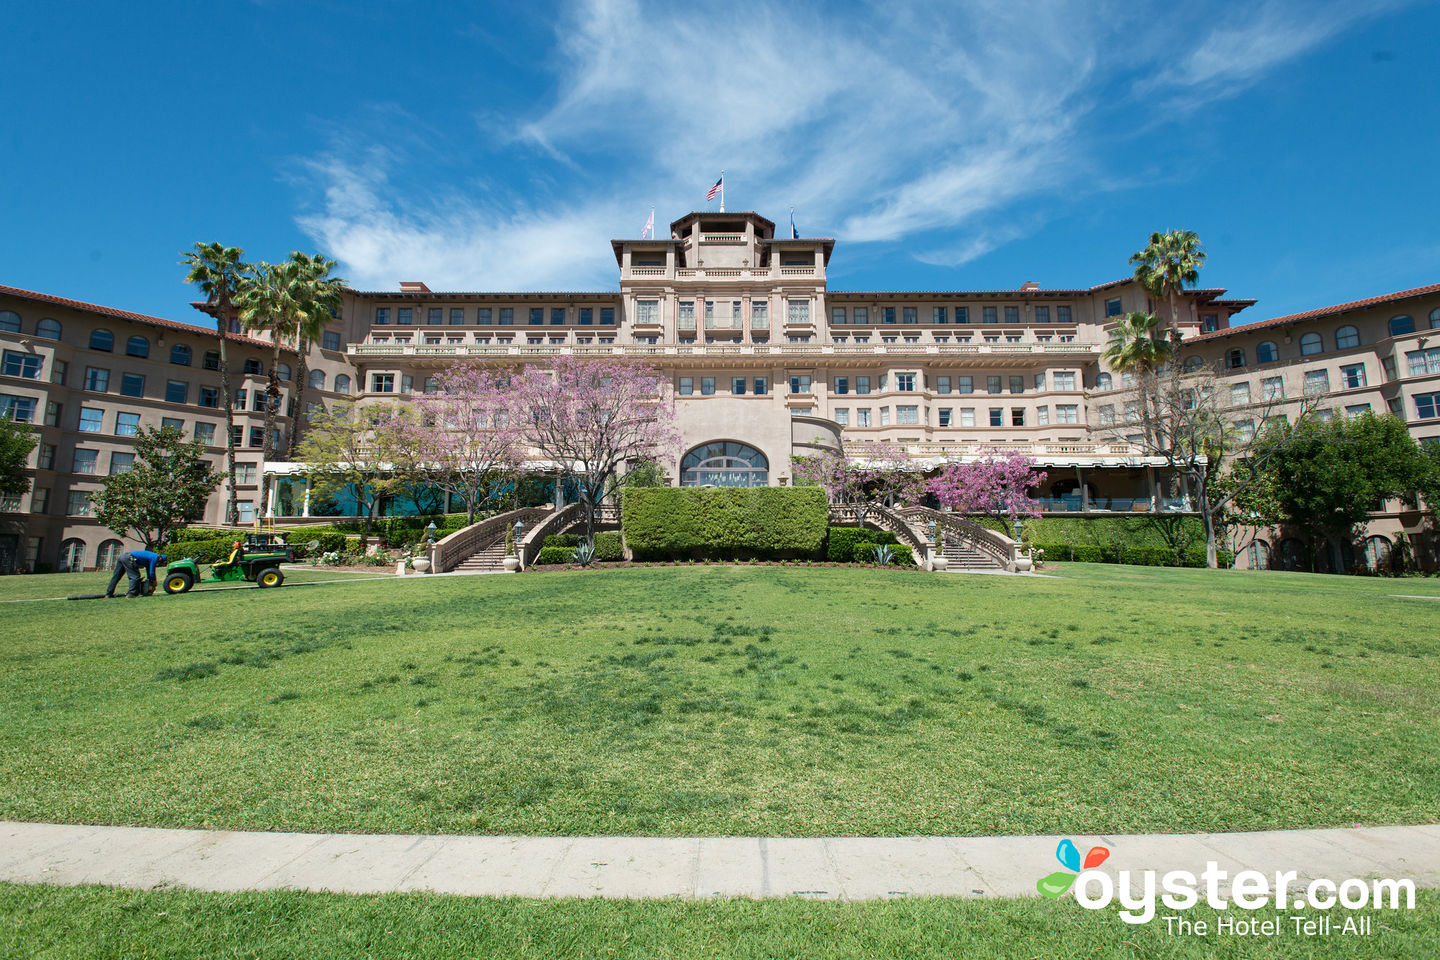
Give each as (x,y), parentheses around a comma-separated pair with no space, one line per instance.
(217,270)
(16,442)
(343,456)
(165,489)
(1326,476)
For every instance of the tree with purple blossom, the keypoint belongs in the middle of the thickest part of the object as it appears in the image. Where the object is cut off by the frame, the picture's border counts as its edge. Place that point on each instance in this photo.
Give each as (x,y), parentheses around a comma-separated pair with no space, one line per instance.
(1001,487)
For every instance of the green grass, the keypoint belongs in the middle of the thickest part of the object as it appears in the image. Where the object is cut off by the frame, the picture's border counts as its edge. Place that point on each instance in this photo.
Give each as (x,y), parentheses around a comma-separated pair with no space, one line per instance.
(93,922)
(47,586)
(731,700)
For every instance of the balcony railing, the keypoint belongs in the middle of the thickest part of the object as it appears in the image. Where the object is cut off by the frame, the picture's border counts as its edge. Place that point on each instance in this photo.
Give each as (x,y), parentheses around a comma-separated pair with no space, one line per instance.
(985,350)
(989,448)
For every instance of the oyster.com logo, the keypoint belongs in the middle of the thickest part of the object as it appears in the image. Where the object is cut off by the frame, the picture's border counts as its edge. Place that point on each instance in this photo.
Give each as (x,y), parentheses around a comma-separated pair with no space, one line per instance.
(1060,881)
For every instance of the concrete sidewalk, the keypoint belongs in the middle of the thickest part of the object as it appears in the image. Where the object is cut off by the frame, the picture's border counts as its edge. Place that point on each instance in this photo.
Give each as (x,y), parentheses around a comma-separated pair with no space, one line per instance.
(850,868)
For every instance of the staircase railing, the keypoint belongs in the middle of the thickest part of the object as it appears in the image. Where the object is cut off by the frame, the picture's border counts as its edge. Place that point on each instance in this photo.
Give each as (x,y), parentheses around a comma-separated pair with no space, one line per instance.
(992,543)
(886,519)
(459,546)
(530,545)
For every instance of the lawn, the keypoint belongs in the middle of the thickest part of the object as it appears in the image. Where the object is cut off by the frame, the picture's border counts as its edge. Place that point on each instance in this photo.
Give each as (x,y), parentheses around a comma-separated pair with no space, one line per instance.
(93,922)
(730,700)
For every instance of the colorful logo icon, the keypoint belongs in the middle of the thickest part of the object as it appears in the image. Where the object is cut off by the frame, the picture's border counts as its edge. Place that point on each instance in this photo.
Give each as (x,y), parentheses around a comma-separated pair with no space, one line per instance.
(1058,882)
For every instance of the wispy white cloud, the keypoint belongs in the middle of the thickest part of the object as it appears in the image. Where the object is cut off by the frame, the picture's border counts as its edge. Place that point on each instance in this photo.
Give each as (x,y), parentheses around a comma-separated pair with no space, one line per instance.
(903,122)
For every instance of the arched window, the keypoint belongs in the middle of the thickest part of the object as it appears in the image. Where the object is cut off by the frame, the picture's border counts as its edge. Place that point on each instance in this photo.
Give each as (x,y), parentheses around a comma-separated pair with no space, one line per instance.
(137,347)
(1266,352)
(1347,337)
(1401,325)
(107,553)
(724,463)
(48,328)
(1311,344)
(317,380)
(254,367)
(101,339)
(1235,358)
(342,383)
(180,354)
(283,372)
(9,321)
(1377,553)
(1435,319)
(72,556)
(1257,555)
(1195,363)
(1103,381)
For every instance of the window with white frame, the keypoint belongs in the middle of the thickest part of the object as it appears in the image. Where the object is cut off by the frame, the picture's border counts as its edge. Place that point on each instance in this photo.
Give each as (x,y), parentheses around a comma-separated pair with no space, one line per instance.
(1347,337)
(884,416)
(1272,388)
(1427,405)
(907,415)
(1064,380)
(942,385)
(1266,352)
(1419,363)
(842,416)
(1067,413)
(797,311)
(1106,415)
(1317,382)
(1042,415)
(78,503)
(1239,394)
(1352,375)
(862,417)
(905,382)
(943,417)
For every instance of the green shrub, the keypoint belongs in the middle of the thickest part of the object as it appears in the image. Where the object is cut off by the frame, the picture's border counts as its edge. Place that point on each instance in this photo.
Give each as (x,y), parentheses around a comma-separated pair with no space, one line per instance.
(568,540)
(901,555)
(1136,556)
(723,524)
(557,554)
(841,542)
(607,546)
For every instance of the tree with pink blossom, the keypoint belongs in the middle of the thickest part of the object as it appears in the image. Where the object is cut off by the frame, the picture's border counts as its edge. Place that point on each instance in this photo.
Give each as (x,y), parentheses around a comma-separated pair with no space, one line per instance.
(590,417)
(461,437)
(1001,487)
(878,474)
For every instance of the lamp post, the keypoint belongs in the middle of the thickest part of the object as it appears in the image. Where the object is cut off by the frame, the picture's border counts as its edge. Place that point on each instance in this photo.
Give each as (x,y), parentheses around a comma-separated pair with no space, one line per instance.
(430,532)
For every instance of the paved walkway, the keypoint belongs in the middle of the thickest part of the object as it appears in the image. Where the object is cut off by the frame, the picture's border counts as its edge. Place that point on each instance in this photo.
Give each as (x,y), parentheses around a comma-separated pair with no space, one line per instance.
(835,868)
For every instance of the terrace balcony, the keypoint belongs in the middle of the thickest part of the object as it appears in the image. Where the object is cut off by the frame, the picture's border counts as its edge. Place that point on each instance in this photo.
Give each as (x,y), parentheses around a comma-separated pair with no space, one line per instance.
(960,354)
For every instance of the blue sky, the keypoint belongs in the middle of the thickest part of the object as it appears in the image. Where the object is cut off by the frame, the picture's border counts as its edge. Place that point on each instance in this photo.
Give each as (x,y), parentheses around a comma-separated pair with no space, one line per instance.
(499,147)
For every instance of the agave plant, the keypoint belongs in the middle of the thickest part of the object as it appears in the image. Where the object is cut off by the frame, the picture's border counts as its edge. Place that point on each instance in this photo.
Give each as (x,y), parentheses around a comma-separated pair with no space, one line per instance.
(884,554)
(584,554)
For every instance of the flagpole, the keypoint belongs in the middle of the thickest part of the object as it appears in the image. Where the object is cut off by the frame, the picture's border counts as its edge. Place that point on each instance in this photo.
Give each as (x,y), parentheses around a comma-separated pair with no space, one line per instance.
(722,191)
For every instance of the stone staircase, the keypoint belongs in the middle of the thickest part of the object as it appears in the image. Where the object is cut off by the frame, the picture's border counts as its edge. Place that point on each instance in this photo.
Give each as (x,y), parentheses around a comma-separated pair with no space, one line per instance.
(488,558)
(963,556)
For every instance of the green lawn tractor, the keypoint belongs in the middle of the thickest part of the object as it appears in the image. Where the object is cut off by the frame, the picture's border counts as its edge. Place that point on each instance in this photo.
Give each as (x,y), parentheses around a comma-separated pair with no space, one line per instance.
(257,560)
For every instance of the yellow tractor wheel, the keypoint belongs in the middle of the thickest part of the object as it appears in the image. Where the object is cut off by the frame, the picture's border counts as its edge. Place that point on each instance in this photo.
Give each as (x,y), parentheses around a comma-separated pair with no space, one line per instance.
(269,577)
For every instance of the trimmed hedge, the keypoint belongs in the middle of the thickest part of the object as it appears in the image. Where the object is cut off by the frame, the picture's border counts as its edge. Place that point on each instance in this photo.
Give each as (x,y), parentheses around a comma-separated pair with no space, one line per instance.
(841,543)
(1135,556)
(555,555)
(607,545)
(723,524)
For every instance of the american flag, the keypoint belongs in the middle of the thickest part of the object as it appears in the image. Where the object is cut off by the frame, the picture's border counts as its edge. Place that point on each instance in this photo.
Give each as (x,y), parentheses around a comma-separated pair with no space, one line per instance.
(715,189)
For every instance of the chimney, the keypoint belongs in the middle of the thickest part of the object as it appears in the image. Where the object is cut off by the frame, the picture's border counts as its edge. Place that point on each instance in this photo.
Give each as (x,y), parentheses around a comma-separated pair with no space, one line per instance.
(413,286)
(1027,285)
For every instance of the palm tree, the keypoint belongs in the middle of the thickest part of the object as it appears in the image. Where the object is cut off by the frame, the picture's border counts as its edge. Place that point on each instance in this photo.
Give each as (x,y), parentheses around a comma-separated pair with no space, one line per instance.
(325,301)
(1170,262)
(272,300)
(218,271)
(1137,345)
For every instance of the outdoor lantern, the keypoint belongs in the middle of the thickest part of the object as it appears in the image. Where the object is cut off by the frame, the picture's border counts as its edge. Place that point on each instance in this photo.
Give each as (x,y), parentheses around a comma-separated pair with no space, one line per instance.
(430,531)
(931,527)
(519,529)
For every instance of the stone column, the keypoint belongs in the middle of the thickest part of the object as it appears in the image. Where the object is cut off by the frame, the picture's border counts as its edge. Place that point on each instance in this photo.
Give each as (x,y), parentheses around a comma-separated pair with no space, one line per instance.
(305,508)
(1154,489)
(1084,494)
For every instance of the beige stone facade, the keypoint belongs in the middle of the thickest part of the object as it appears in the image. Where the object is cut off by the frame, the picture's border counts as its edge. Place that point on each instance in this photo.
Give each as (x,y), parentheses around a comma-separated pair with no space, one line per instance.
(763,356)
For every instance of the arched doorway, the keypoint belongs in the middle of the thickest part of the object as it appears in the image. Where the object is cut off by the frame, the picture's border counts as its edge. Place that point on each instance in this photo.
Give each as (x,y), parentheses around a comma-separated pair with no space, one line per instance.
(1257,555)
(105,556)
(724,463)
(72,556)
(1377,553)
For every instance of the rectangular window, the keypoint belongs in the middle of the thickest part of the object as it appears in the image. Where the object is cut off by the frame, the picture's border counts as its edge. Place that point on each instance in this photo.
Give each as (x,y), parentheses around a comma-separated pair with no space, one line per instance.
(887,315)
(862,417)
(1112,307)
(967,416)
(209,397)
(909,315)
(842,385)
(97,379)
(884,416)
(1317,382)
(797,311)
(1419,363)
(330,340)
(862,386)
(557,316)
(1107,415)
(177,391)
(382,383)
(965,384)
(1272,388)
(45,460)
(174,422)
(1067,413)
(121,462)
(799,383)
(1062,314)
(58,369)
(1042,415)
(687,386)
(1239,394)
(39,504)
(507,316)
(1427,406)
(403,316)
(997,416)
(25,365)
(205,433)
(1353,375)
(992,384)
(435,316)
(257,403)
(962,314)
(257,437)
(52,413)
(837,316)
(707,386)
(989,315)
(537,316)
(737,386)
(407,383)
(939,315)
(482,316)
(907,416)
(1012,314)
(18,409)
(760,386)
(85,460)
(842,416)
(245,511)
(1017,384)
(245,473)
(607,316)
(382,316)
(1065,380)
(91,420)
(942,385)
(457,316)
(1042,314)
(944,416)
(211,360)
(78,503)
(1017,416)
(1357,409)
(905,382)
(132,385)
(127,424)
(1245,429)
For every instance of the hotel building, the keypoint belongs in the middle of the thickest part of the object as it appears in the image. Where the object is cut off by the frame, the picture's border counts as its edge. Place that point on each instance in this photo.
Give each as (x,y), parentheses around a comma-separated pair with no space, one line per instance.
(768,364)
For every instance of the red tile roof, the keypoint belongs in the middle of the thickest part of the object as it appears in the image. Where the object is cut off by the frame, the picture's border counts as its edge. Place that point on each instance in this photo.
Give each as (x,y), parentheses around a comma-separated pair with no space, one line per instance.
(121,314)
(1325,311)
